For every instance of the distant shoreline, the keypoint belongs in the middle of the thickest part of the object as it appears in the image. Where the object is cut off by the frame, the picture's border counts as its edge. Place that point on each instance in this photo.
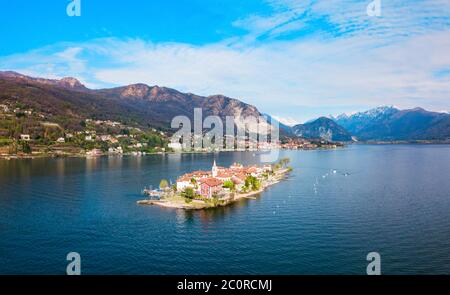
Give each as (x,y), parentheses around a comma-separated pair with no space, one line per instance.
(55,156)
(80,155)
(58,156)
(418,142)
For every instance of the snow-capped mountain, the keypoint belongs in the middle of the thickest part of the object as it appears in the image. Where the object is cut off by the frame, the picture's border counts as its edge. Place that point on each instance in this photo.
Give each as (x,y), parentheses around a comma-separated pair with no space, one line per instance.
(356,122)
(390,123)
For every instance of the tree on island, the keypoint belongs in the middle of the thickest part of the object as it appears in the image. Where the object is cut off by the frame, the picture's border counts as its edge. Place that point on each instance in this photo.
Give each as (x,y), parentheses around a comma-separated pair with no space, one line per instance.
(164,184)
(188,193)
(228,184)
(252,183)
(284,162)
(194,182)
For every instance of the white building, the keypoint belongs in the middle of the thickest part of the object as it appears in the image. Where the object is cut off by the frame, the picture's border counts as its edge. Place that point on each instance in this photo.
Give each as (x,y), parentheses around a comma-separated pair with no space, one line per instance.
(183,184)
(4,108)
(25,137)
(267,168)
(214,169)
(118,150)
(175,146)
(105,137)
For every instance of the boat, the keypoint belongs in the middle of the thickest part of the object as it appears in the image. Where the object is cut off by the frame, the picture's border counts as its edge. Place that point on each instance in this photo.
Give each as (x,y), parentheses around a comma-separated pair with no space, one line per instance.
(152,192)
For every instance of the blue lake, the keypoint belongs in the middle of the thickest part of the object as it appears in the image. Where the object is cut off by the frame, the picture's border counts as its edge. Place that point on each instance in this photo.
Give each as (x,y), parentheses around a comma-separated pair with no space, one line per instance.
(391,199)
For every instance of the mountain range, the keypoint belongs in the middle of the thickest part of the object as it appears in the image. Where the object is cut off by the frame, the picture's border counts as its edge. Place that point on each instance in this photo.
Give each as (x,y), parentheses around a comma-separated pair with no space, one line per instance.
(323,128)
(385,123)
(388,123)
(68,102)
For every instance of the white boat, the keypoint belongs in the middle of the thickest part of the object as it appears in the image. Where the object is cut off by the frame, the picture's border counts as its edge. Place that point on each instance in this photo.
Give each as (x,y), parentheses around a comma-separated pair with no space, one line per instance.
(152,192)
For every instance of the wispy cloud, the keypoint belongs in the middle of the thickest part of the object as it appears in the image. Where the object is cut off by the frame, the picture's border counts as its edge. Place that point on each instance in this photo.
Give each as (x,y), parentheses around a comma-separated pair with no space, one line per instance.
(400,18)
(349,60)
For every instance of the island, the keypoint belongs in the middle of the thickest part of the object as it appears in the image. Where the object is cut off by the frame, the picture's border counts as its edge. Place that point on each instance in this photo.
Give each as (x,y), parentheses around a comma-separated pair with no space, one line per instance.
(218,187)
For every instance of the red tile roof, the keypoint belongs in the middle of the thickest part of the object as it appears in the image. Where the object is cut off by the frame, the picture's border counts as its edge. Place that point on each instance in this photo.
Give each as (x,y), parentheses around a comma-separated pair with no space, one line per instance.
(211,181)
(224,174)
(195,174)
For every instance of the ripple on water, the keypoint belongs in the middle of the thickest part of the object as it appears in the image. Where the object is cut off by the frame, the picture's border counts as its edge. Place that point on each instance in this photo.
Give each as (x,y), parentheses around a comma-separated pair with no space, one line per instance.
(390,199)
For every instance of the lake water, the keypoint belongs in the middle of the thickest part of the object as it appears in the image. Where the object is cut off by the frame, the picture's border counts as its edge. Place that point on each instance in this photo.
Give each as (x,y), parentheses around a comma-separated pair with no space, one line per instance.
(392,199)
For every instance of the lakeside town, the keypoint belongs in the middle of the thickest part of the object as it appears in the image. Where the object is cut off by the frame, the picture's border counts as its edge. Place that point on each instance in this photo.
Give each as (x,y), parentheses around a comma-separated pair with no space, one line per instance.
(218,187)
(27,133)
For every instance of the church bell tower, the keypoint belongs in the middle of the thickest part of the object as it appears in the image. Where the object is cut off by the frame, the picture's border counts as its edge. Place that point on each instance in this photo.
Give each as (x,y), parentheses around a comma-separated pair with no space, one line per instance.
(214,169)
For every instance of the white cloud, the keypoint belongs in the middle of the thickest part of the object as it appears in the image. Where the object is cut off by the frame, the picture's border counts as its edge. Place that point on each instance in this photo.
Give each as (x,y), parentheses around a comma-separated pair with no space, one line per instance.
(398,18)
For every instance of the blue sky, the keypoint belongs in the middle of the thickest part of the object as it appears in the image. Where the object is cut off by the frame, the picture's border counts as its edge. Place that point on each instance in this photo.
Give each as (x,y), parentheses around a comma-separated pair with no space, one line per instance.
(294,59)
(32,24)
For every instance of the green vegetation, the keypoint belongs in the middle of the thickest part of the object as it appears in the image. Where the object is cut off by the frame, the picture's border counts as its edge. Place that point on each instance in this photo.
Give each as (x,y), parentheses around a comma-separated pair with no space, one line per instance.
(188,193)
(284,162)
(26,147)
(252,183)
(164,184)
(55,133)
(153,140)
(229,184)
(5,141)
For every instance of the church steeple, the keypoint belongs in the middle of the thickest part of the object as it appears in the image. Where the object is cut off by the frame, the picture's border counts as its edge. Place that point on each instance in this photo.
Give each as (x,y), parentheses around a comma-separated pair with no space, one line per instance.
(214,169)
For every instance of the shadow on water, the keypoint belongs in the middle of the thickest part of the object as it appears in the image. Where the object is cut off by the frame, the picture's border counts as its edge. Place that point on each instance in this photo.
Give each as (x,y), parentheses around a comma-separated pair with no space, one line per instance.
(219,213)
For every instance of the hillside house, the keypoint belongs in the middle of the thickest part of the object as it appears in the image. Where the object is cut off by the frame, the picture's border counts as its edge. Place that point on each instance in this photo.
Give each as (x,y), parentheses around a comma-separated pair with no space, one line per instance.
(25,137)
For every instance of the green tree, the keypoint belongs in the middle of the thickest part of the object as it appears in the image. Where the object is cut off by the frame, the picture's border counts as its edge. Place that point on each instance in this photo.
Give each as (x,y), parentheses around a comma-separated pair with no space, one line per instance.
(188,193)
(284,162)
(252,183)
(163,184)
(256,184)
(26,148)
(229,184)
